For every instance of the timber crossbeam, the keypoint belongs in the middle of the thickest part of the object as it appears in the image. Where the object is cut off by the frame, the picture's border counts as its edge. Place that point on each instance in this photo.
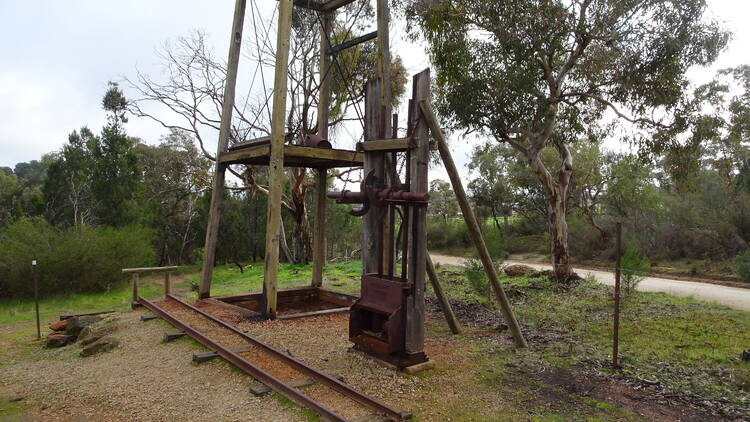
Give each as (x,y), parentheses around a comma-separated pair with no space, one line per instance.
(294,156)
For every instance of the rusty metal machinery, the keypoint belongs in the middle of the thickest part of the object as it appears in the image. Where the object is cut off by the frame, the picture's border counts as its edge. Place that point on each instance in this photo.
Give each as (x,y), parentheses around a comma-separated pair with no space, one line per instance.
(378,320)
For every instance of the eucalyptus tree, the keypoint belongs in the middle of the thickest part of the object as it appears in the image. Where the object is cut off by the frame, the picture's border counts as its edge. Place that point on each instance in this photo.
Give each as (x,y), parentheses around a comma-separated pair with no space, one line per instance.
(537,73)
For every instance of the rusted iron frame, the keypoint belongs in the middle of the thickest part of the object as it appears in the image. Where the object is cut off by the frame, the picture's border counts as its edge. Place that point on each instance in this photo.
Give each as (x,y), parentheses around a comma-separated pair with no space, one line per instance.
(322,378)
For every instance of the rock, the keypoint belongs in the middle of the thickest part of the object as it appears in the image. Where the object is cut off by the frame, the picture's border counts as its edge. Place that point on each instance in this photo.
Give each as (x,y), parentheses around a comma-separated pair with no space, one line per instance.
(94,332)
(76,324)
(746,355)
(59,325)
(102,345)
(518,270)
(59,340)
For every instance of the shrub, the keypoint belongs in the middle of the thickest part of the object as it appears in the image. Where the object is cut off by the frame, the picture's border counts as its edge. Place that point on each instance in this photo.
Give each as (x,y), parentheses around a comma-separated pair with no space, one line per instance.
(474,273)
(634,266)
(70,260)
(741,265)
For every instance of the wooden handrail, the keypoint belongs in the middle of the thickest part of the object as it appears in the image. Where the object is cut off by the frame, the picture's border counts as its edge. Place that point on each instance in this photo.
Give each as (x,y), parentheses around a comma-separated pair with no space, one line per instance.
(148,270)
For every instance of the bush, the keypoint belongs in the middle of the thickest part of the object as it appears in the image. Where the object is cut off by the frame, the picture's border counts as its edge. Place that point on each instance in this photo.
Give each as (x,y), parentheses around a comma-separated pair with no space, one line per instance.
(634,266)
(71,260)
(474,273)
(741,265)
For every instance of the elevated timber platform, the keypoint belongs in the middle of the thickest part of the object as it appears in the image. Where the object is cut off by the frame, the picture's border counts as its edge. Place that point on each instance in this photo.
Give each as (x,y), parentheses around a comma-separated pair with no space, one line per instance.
(294,156)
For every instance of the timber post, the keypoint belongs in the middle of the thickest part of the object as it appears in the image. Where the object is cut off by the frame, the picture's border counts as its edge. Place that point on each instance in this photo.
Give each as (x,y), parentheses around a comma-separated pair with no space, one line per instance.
(276,160)
(134,299)
(417,226)
(472,223)
(217,194)
(319,234)
(167,284)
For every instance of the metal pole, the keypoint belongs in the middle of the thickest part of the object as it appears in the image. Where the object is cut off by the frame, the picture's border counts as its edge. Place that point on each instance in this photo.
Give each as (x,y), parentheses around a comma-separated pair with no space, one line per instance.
(616,334)
(35,276)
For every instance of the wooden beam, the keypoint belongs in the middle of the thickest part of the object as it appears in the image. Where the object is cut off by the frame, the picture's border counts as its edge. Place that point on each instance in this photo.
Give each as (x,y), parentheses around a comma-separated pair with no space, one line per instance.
(309,4)
(296,155)
(217,196)
(387,145)
(471,222)
(149,270)
(331,5)
(324,105)
(383,14)
(374,162)
(276,160)
(445,305)
(417,258)
(351,43)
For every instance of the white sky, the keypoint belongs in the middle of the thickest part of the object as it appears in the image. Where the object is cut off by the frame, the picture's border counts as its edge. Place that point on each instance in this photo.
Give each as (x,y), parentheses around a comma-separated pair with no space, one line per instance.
(56,59)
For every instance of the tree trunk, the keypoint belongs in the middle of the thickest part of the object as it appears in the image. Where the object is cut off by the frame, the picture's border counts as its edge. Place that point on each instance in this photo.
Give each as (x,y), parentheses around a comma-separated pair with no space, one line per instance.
(557,198)
(558,230)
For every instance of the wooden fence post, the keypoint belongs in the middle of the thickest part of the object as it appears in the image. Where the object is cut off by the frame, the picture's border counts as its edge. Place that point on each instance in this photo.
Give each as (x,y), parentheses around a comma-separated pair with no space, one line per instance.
(616,327)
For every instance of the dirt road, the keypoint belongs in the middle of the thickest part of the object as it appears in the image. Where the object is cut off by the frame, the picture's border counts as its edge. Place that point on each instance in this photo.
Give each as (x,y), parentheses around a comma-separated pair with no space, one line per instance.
(733,297)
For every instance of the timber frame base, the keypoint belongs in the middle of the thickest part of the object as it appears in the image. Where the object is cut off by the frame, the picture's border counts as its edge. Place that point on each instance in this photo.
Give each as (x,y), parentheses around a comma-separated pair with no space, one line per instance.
(297,302)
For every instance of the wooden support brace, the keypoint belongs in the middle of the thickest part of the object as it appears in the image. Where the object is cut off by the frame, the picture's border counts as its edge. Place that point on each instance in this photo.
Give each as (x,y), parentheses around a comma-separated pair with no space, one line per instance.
(351,43)
(472,223)
(445,305)
(387,145)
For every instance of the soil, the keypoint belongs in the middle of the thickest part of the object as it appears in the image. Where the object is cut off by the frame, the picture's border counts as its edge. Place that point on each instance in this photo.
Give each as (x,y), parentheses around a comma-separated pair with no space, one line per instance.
(145,379)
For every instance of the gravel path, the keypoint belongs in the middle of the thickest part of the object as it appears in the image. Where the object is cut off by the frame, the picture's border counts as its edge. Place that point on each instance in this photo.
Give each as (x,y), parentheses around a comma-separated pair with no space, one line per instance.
(737,298)
(142,380)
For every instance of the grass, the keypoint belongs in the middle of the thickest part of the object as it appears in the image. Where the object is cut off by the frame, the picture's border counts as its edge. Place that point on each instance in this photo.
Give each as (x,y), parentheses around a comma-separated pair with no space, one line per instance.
(226,280)
(11,411)
(686,345)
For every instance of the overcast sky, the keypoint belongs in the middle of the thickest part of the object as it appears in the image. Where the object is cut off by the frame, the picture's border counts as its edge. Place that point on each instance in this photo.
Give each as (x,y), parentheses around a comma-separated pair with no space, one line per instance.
(56,59)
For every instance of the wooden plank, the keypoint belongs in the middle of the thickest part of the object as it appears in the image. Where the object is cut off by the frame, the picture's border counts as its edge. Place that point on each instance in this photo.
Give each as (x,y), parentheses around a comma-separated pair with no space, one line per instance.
(319,232)
(246,313)
(207,356)
(148,270)
(351,43)
(471,222)
(244,154)
(145,318)
(417,258)
(315,313)
(295,156)
(387,145)
(383,14)
(276,160)
(214,213)
(445,305)
(136,279)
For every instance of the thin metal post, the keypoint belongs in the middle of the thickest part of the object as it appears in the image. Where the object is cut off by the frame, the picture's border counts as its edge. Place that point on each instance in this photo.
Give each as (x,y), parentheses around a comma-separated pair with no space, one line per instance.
(35,276)
(616,331)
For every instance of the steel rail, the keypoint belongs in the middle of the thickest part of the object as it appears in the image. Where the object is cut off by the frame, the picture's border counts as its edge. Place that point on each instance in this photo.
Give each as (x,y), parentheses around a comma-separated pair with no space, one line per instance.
(322,378)
(272,382)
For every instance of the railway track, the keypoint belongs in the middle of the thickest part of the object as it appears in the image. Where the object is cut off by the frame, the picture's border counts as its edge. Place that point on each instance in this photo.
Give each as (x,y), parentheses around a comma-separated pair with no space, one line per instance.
(272,367)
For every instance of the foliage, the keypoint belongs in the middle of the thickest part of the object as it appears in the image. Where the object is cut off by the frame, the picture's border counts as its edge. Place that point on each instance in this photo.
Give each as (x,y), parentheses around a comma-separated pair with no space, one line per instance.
(542,74)
(634,266)
(473,270)
(741,265)
(443,201)
(70,260)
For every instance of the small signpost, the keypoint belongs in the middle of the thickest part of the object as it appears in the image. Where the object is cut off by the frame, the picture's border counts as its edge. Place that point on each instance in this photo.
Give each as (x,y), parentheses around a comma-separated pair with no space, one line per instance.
(35,276)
